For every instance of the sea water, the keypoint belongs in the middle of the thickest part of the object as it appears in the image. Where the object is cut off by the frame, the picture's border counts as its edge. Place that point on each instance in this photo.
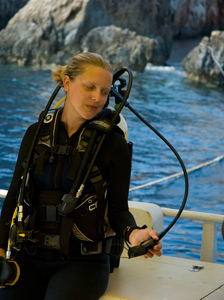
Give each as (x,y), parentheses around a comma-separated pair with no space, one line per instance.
(190,116)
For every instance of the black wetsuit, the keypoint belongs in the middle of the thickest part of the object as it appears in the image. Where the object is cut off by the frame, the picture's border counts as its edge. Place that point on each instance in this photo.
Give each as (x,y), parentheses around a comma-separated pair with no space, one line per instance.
(83,277)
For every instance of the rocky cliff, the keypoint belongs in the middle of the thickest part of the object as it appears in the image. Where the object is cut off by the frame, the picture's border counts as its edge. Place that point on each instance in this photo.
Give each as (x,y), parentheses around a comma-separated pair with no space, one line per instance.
(129,33)
(198,17)
(8,9)
(46,31)
(188,18)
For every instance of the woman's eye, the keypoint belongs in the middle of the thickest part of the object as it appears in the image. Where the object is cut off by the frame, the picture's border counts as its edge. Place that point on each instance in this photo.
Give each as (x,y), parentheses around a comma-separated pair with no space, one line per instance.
(89,87)
(105,93)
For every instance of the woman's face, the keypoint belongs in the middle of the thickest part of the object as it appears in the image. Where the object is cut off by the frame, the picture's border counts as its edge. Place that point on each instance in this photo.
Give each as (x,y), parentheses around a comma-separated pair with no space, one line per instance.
(87,94)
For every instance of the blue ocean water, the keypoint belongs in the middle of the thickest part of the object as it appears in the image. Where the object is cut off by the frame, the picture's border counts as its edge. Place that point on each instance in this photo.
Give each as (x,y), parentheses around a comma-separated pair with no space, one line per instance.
(188,115)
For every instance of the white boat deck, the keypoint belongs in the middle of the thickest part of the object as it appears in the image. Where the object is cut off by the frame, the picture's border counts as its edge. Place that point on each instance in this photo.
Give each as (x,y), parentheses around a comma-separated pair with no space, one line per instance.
(165,278)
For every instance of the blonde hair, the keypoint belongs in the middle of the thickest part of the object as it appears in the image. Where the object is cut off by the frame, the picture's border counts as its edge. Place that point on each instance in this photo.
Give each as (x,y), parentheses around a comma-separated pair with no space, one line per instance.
(78,65)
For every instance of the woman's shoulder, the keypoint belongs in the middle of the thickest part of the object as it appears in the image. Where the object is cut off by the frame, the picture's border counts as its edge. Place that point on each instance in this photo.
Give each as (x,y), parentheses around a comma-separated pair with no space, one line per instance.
(30,132)
(115,140)
(32,128)
(116,134)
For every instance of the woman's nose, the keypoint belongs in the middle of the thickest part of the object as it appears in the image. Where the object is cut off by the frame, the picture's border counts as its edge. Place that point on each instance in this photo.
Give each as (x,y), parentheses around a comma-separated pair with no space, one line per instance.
(96,95)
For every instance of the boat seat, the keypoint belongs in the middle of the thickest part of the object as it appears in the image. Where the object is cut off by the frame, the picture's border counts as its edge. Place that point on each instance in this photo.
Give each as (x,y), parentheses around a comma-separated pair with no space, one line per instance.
(146,214)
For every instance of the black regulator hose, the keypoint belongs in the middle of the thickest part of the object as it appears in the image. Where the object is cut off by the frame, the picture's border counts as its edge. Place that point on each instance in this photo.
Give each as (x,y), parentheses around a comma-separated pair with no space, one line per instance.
(145,246)
(161,235)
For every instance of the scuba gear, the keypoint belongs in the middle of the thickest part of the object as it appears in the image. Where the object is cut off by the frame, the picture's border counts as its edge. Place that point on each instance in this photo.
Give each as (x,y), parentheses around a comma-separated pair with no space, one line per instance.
(141,249)
(20,233)
(73,200)
(9,271)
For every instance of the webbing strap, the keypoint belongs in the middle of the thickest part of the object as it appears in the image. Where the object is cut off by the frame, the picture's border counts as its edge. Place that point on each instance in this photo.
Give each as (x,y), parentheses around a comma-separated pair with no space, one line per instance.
(65,233)
(40,162)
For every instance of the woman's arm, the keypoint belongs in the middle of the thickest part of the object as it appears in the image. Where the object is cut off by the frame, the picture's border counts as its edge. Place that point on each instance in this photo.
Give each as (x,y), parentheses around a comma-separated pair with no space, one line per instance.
(118,173)
(119,214)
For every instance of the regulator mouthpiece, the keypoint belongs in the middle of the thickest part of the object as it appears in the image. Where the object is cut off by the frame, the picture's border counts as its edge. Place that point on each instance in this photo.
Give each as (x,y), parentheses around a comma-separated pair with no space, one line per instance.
(9,272)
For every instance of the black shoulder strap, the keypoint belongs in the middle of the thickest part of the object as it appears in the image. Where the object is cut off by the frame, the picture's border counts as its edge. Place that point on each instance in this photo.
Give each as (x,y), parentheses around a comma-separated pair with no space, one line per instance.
(47,138)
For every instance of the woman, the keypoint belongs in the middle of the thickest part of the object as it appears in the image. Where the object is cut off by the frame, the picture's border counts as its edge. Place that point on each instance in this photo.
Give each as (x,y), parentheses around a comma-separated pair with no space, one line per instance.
(72,271)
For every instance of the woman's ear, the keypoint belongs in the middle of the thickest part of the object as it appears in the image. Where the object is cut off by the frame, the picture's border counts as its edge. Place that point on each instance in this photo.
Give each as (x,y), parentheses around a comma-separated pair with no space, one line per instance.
(66,82)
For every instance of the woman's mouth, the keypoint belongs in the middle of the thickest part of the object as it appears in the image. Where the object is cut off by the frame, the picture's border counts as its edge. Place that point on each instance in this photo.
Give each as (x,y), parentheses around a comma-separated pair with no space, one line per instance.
(91,107)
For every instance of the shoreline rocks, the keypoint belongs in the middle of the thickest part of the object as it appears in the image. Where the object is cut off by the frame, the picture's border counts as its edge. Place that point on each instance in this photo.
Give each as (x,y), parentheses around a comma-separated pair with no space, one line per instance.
(125,47)
(205,63)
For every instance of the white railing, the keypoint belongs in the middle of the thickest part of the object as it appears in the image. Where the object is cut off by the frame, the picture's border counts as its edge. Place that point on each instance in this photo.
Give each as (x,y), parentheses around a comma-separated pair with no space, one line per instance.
(209,235)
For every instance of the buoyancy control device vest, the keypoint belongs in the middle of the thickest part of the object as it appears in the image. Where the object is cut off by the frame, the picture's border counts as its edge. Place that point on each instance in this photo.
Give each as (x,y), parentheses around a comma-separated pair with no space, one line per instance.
(88,221)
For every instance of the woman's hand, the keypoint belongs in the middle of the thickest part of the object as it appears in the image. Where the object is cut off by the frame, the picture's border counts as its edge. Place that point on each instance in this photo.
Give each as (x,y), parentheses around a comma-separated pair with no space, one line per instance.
(138,236)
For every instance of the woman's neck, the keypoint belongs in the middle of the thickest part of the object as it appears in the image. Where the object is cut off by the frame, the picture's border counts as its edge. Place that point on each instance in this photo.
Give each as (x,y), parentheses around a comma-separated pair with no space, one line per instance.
(72,124)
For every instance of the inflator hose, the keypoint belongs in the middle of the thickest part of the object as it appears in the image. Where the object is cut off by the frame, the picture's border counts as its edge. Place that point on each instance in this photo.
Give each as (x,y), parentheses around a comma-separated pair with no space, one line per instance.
(142,249)
(161,234)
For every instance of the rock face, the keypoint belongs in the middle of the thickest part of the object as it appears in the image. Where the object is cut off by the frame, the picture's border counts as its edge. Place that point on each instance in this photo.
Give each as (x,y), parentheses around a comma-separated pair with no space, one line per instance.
(125,47)
(205,63)
(190,18)
(47,31)
(8,10)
